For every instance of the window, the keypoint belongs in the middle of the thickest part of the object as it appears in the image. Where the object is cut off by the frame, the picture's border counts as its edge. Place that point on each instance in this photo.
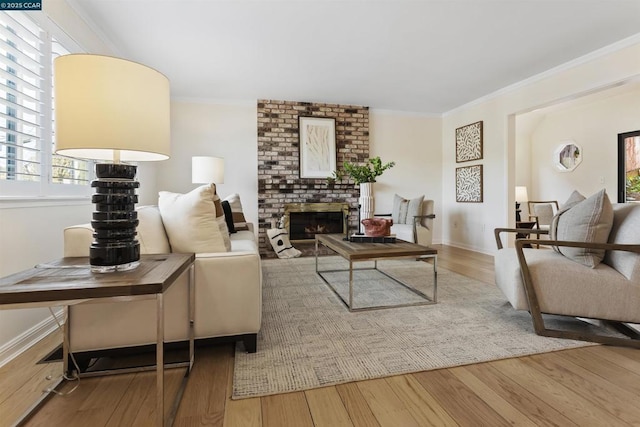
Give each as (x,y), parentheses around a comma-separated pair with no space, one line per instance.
(28,166)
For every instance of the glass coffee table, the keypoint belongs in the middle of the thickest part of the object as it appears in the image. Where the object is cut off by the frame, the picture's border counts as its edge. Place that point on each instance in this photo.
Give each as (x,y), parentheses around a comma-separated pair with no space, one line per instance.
(354,252)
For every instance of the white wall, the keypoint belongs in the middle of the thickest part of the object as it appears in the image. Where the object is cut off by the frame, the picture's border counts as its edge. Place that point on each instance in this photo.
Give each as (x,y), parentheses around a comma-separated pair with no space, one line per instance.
(31,231)
(476,221)
(414,143)
(595,127)
(204,129)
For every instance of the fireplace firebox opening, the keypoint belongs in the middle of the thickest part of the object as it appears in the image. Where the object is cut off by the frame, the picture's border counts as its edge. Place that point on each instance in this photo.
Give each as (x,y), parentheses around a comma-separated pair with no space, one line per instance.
(304,220)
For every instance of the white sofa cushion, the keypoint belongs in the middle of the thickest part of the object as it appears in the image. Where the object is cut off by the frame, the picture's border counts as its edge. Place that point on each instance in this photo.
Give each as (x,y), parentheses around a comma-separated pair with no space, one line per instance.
(151,234)
(192,222)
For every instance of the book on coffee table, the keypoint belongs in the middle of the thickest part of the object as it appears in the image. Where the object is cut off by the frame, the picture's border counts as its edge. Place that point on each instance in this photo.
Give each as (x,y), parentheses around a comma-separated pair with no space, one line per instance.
(361,238)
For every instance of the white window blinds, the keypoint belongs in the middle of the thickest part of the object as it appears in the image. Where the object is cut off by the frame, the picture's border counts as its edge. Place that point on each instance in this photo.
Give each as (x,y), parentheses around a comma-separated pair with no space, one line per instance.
(28,166)
(20,98)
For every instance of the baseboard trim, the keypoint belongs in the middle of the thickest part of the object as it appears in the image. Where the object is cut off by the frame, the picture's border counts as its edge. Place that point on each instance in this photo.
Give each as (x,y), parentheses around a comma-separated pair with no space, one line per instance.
(469,248)
(27,339)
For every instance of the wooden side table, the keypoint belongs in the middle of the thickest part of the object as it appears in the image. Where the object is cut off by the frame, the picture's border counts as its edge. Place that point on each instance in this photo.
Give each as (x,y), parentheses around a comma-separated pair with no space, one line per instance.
(70,281)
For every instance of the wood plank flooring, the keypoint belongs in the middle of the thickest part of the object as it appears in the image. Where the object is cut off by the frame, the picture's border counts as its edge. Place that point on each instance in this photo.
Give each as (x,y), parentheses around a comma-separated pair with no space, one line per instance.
(593,386)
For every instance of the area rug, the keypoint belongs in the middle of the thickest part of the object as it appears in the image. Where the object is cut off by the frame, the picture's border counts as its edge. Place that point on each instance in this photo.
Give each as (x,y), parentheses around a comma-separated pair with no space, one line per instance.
(309,339)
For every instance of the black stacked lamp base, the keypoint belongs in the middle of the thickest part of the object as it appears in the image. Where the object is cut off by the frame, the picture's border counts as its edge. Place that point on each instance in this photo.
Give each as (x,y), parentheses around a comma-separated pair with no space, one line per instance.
(115,219)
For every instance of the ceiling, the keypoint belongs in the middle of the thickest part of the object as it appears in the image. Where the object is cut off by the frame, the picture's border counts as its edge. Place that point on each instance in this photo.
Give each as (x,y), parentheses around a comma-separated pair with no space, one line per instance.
(427,56)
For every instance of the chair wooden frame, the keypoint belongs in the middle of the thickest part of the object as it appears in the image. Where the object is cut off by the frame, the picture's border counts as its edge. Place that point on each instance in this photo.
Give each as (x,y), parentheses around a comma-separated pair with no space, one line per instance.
(633,339)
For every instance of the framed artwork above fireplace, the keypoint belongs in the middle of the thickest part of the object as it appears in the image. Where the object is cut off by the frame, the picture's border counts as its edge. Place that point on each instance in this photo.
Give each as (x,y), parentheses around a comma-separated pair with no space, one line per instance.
(317,146)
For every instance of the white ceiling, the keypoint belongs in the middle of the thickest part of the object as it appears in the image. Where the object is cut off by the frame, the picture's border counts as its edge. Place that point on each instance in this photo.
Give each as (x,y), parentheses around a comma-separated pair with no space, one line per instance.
(426,56)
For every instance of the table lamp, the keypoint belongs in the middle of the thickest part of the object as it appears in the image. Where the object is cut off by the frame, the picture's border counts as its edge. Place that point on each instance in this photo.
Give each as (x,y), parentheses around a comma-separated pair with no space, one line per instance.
(206,169)
(108,108)
(521,197)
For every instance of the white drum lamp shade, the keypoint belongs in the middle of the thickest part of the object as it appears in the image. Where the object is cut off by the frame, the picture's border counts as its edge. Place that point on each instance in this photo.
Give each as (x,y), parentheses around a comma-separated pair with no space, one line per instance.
(521,194)
(521,197)
(105,104)
(205,170)
(108,108)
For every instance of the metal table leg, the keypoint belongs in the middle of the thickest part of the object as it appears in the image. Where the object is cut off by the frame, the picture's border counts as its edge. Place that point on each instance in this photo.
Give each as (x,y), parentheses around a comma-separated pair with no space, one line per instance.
(160,361)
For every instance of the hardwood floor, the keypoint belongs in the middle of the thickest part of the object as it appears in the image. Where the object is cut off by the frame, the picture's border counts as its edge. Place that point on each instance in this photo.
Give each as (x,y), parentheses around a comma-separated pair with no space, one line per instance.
(592,386)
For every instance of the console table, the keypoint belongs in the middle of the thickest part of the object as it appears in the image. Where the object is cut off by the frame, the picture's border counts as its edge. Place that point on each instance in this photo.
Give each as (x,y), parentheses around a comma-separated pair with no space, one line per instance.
(70,281)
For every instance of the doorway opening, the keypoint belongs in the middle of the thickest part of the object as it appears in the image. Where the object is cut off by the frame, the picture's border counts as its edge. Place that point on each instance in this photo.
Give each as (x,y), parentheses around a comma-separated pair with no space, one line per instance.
(629,167)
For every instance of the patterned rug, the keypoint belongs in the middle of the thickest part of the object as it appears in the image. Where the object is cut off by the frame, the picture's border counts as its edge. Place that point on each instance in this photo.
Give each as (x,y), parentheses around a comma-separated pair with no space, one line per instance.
(309,339)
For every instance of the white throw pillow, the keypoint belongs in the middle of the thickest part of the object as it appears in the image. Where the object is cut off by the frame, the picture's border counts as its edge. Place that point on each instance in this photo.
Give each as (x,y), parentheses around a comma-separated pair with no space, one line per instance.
(405,209)
(587,221)
(280,243)
(195,221)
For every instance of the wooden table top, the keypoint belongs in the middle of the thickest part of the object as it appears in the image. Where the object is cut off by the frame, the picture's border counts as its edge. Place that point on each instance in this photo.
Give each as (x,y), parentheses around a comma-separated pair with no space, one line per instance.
(71,279)
(362,251)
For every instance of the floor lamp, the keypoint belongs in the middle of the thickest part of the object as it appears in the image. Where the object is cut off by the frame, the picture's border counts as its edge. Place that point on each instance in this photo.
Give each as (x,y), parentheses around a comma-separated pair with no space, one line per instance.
(110,109)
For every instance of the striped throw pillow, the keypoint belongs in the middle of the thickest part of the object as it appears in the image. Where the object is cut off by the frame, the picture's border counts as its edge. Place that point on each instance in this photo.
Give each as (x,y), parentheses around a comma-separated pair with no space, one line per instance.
(239,221)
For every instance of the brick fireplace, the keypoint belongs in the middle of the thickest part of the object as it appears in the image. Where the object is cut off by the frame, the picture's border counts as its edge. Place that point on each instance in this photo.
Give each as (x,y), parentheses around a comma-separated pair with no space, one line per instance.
(279,181)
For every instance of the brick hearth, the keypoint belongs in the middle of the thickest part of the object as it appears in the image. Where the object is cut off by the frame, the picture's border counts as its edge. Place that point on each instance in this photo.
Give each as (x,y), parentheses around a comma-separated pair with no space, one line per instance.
(279,179)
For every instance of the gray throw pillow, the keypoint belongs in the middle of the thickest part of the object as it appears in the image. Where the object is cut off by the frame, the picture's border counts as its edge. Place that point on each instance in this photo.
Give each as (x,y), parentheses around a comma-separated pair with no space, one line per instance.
(405,209)
(587,221)
(573,200)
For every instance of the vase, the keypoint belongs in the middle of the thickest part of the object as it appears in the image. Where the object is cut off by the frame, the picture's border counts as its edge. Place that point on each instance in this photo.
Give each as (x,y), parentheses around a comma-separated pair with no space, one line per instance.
(366,200)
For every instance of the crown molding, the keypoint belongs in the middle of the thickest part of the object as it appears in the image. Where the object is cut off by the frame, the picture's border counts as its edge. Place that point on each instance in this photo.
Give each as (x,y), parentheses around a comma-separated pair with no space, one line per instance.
(78,10)
(216,101)
(619,45)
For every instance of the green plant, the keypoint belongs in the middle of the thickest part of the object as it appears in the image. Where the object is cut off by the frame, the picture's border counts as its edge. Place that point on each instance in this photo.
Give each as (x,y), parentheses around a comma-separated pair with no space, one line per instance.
(633,184)
(368,172)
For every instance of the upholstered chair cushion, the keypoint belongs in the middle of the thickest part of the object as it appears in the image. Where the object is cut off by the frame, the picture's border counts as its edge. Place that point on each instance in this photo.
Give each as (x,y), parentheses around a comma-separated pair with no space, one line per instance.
(544,212)
(625,230)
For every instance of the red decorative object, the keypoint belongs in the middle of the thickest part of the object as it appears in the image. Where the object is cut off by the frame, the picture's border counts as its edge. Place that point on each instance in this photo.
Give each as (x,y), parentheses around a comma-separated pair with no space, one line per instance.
(376,227)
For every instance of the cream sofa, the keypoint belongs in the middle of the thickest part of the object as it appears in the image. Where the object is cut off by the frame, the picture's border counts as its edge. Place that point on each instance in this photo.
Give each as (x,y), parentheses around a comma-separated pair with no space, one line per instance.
(545,281)
(228,295)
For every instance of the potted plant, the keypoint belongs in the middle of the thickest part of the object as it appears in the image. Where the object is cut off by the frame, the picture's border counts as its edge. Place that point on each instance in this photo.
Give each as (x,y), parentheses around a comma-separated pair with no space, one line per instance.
(365,175)
(367,172)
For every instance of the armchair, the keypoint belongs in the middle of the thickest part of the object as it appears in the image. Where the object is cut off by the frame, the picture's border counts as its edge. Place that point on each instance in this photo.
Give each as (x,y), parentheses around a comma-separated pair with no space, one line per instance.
(544,281)
(542,212)
(413,228)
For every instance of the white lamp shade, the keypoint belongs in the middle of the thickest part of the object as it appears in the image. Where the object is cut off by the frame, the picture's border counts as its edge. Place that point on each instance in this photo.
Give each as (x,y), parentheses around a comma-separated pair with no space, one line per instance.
(109,108)
(521,194)
(205,170)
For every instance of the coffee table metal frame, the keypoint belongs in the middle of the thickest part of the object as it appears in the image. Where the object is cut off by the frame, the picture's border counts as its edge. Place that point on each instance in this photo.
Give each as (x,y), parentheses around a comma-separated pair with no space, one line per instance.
(60,294)
(375,252)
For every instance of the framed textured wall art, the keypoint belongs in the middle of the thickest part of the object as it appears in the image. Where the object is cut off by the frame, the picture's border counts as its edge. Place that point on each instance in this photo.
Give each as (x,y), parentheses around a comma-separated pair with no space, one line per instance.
(469,184)
(469,142)
(317,147)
